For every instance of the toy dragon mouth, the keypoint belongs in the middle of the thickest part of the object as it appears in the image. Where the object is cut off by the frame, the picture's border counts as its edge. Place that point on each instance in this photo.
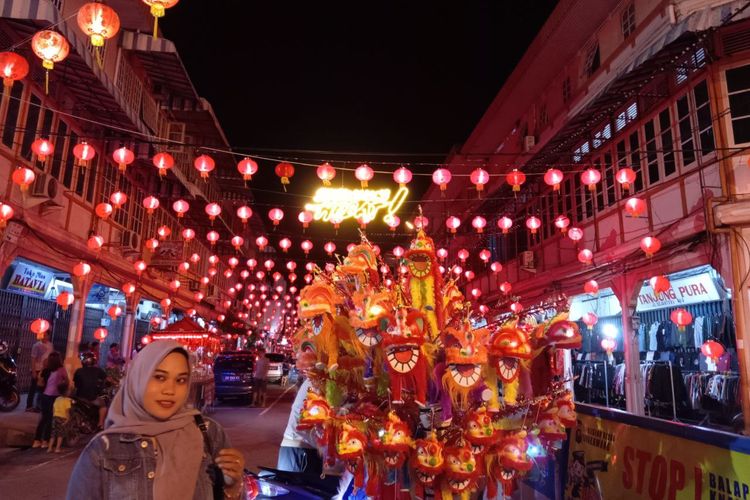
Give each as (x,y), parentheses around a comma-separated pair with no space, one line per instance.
(425,478)
(507,474)
(317,324)
(477,449)
(508,369)
(419,265)
(458,485)
(403,359)
(393,458)
(369,337)
(465,375)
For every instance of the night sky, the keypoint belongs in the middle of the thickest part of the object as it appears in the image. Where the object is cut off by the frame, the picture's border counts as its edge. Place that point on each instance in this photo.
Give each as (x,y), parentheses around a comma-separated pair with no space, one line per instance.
(405,78)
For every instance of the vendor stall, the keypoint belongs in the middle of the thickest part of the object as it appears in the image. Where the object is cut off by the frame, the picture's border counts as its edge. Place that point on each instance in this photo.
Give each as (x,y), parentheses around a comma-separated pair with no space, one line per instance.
(203,346)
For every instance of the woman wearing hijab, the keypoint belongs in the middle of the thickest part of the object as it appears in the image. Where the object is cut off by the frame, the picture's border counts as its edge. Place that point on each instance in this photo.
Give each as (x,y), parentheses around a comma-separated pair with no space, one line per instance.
(152,446)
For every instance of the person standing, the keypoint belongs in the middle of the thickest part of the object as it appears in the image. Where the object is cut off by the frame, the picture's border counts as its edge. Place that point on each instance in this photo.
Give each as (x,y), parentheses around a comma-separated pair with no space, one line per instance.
(55,382)
(114,359)
(259,378)
(39,352)
(60,416)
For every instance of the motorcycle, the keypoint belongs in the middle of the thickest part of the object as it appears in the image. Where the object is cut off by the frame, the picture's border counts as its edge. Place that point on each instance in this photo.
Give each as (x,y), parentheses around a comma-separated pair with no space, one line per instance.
(83,421)
(9,395)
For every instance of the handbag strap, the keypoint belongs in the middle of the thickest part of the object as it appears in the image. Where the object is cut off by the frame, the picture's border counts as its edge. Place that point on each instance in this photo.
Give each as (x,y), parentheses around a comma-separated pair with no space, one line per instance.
(218,476)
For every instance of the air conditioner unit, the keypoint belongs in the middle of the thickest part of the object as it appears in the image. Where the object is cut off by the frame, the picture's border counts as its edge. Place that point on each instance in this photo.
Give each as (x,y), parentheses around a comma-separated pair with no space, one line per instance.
(528,143)
(46,189)
(527,261)
(130,242)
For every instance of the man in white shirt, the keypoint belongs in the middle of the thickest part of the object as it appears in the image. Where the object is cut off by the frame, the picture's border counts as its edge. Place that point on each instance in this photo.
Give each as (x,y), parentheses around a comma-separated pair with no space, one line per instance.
(39,352)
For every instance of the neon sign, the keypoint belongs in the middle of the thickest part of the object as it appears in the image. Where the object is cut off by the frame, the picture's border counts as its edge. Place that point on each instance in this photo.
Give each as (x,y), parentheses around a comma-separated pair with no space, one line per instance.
(338,204)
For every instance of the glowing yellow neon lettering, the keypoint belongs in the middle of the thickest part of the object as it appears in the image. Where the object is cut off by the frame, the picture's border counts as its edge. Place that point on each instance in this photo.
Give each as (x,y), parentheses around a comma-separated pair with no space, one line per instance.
(339,204)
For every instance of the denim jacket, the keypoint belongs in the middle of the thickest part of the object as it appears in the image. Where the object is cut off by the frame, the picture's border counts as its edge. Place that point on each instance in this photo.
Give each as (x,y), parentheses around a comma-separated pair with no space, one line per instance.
(116,466)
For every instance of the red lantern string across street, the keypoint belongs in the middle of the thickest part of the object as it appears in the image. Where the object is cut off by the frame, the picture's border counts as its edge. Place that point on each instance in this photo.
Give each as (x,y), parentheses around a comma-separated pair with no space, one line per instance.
(681,318)
(305,217)
(452,223)
(712,350)
(40,326)
(276,215)
(118,199)
(479,223)
(421,222)
(364,174)
(626,177)
(23,177)
(590,319)
(562,223)
(441,177)
(50,47)
(95,242)
(205,165)
(392,221)
(188,234)
(284,171)
(650,245)
(180,207)
(247,167)
(306,246)
(6,214)
(13,67)
(244,213)
(84,153)
(635,207)
(515,178)
(496,267)
(285,244)
(42,148)
(163,162)
(329,247)
(326,173)
(591,287)
(157,10)
(114,311)
(463,255)
(402,176)
(591,177)
(505,287)
(150,203)
(164,232)
(237,242)
(585,256)
(485,255)
(98,21)
(262,242)
(123,157)
(65,300)
(575,234)
(608,344)
(479,177)
(553,177)
(212,237)
(505,223)
(533,223)
(103,210)
(660,284)
(516,307)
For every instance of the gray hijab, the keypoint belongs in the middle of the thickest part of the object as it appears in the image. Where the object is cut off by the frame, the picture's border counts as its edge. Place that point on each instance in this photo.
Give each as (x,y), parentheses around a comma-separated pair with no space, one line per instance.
(180,441)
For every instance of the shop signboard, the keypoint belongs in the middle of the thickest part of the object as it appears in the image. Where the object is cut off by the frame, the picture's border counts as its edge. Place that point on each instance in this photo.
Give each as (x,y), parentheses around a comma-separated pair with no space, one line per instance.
(694,289)
(610,459)
(29,280)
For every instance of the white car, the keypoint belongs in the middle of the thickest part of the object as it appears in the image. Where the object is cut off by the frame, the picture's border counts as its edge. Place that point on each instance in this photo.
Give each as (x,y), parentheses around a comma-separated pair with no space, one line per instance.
(275,367)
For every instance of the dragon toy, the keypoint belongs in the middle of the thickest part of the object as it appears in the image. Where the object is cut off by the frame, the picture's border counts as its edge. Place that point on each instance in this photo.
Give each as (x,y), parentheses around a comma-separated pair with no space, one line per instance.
(402,341)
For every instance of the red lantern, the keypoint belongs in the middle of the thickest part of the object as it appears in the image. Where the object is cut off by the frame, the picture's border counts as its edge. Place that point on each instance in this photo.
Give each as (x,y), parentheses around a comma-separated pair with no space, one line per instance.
(233,262)
(205,165)
(123,157)
(463,255)
(485,255)
(392,221)
(364,174)
(660,284)
(476,293)
(712,350)
(591,287)
(533,223)
(650,245)
(562,223)
(585,256)
(244,213)
(635,207)
(212,237)
(95,242)
(42,148)
(284,170)
(515,178)
(174,285)
(608,344)
(505,287)
(305,217)
(681,318)
(237,242)
(23,177)
(164,232)
(213,210)
(276,214)
(479,177)
(157,9)
(261,241)
(114,311)
(150,203)
(329,247)
(81,269)
(421,222)
(118,199)
(285,244)
(306,246)
(65,300)
(452,223)
(516,307)
(128,289)
(39,326)
(590,319)
(98,21)
(12,67)
(442,253)
(180,207)
(165,303)
(402,176)
(591,177)
(50,47)
(184,267)
(441,177)
(505,223)
(103,210)
(269,264)
(326,173)
(84,153)
(198,296)
(496,267)
(553,177)
(626,177)
(398,251)
(575,234)
(6,214)
(188,234)
(163,162)
(291,266)
(247,167)
(139,267)
(478,223)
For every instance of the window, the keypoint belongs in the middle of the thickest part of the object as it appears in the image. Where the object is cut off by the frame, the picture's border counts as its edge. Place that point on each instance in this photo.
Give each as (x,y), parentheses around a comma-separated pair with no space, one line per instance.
(601,135)
(628,115)
(738,88)
(652,159)
(705,123)
(635,160)
(685,128)
(627,20)
(600,188)
(14,107)
(609,180)
(91,187)
(69,160)
(592,62)
(667,143)
(695,61)
(567,91)
(57,157)
(29,132)
(582,151)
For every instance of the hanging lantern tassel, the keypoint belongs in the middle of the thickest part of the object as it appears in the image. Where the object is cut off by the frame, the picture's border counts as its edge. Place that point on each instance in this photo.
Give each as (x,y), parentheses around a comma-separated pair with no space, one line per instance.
(157,10)
(284,182)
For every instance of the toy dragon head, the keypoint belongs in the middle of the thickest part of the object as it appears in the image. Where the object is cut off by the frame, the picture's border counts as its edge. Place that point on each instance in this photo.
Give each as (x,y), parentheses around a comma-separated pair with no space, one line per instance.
(420,258)
(550,427)
(360,260)
(453,302)
(315,411)
(465,353)
(350,444)
(479,431)
(369,309)
(393,440)
(507,347)
(402,339)
(566,410)
(317,301)
(427,459)
(561,333)
(512,453)
(461,468)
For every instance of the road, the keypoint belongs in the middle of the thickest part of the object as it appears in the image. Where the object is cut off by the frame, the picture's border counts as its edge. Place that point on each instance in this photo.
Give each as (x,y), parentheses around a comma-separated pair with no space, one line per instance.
(27,473)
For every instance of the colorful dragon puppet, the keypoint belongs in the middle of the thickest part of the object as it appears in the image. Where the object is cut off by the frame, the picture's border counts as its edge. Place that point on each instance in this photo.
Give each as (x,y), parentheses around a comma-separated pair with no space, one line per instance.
(393,440)
(361,265)
(318,305)
(550,337)
(425,282)
(509,347)
(460,474)
(509,460)
(370,309)
(402,341)
(465,355)
(427,461)
(350,447)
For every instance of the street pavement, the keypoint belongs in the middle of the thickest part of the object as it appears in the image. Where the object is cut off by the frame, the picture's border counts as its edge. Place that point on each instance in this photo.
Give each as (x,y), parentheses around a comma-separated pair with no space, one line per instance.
(33,474)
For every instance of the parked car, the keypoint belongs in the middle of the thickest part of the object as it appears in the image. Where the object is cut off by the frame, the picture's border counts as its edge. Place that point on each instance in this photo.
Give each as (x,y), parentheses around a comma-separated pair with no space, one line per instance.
(276,367)
(233,374)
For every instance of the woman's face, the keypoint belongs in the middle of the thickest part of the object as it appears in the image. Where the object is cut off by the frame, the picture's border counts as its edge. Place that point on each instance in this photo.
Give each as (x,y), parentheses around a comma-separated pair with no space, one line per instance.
(167,389)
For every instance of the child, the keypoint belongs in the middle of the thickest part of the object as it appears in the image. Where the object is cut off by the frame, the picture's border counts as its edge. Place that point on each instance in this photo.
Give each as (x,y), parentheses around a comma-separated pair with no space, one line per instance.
(60,416)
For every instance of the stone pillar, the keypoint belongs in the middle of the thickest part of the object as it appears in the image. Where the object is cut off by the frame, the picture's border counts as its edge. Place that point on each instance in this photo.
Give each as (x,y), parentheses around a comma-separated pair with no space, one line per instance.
(626,289)
(128,327)
(81,289)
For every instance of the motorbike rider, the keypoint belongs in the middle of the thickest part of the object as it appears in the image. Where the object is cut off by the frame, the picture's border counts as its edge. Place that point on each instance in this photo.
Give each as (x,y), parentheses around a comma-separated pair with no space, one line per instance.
(89,381)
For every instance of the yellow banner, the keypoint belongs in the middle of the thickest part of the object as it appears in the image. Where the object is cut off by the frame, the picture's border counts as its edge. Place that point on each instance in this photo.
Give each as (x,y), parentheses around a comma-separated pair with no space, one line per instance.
(611,460)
